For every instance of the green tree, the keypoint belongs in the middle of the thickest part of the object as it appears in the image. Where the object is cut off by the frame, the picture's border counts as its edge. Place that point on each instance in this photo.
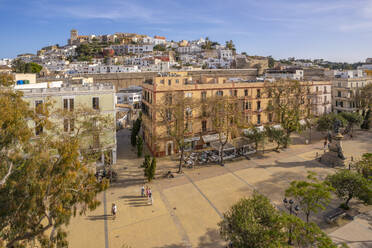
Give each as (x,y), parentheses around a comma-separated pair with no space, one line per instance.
(20,66)
(159,47)
(139,146)
(230,45)
(364,166)
(271,62)
(176,113)
(252,223)
(146,162)
(255,136)
(289,101)
(325,122)
(311,195)
(255,222)
(146,165)
(351,119)
(349,185)
(305,235)
(135,130)
(226,119)
(48,178)
(363,101)
(151,170)
(277,135)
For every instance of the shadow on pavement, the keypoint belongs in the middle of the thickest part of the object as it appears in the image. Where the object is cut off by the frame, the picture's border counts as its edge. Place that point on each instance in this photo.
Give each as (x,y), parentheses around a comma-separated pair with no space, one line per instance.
(99,217)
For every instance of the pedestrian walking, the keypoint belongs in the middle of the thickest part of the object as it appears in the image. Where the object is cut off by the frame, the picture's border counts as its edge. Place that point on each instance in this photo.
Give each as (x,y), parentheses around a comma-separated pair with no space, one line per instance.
(325,144)
(151,197)
(114,209)
(147,191)
(143,191)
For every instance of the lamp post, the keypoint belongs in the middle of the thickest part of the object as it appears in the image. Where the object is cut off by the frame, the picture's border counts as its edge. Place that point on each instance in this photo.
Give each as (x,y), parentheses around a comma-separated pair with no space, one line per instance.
(292,210)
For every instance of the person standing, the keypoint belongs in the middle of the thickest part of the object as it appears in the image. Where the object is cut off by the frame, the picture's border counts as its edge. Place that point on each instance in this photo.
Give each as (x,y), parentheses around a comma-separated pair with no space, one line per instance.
(143,191)
(151,198)
(114,209)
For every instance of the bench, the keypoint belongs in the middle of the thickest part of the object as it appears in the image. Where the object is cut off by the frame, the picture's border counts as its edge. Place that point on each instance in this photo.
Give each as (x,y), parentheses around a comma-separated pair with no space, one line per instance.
(334,215)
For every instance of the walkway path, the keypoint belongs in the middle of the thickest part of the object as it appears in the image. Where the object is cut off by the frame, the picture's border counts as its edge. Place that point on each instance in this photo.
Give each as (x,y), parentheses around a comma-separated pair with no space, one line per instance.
(187,208)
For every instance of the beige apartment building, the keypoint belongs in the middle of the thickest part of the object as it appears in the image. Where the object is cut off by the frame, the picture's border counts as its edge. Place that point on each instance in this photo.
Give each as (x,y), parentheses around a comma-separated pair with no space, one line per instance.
(250,95)
(71,96)
(343,93)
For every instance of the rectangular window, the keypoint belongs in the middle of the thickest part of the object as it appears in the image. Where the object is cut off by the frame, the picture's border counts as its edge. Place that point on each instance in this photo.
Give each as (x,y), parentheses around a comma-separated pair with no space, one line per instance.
(204,126)
(325,99)
(246,92)
(219,93)
(38,105)
(65,104)
(339,93)
(270,117)
(38,128)
(258,105)
(246,117)
(65,125)
(235,92)
(177,81)
(68,125)
(204,95)
(95,102)
(162,81)
(258,93)
(188,94)
(169,81)
(258,119)
(342,104)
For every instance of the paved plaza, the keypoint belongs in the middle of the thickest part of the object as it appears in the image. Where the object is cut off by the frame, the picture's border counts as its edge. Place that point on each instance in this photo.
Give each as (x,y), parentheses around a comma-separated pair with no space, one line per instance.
(187,208)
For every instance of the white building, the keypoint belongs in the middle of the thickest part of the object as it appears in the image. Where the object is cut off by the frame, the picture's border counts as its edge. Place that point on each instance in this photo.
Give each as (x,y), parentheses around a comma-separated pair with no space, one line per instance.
(131,96)
(139,48)
(225,54)
(294,74)
(344,90)
(321,97)
(189,49)
(349,74)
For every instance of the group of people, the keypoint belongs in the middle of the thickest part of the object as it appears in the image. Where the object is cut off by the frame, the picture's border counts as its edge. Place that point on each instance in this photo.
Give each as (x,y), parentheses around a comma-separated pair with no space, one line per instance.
(146,192)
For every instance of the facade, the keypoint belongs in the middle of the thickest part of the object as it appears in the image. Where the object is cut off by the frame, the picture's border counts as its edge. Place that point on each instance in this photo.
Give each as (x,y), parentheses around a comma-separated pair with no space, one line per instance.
(66,96)
(250,95)
(293,74)
(343,91)
(131,96)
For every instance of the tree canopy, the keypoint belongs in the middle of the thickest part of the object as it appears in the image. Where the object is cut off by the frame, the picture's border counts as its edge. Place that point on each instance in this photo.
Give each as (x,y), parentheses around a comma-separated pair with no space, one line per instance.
(46,178)
(20,66)
(311,195)
(256,223)
(349,185)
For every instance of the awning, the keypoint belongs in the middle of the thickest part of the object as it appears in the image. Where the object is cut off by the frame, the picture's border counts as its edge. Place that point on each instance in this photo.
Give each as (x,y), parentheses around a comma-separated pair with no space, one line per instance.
(212,137)
(278,127)
(249,131)
(216,145)
(192,139)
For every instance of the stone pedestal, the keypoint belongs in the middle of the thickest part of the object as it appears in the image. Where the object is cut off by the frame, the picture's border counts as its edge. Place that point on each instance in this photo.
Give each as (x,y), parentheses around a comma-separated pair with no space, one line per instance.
(334,156)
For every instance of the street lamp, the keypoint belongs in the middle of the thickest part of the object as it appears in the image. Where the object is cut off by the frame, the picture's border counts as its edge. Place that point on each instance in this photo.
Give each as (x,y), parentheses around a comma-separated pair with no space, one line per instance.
(288,204)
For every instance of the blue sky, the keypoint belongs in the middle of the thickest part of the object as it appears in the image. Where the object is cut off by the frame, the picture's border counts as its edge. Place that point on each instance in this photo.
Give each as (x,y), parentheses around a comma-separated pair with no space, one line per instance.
(338,30)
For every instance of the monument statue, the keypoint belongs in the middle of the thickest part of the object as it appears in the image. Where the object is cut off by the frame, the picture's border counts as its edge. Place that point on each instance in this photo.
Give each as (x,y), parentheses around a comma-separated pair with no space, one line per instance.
(334,156)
